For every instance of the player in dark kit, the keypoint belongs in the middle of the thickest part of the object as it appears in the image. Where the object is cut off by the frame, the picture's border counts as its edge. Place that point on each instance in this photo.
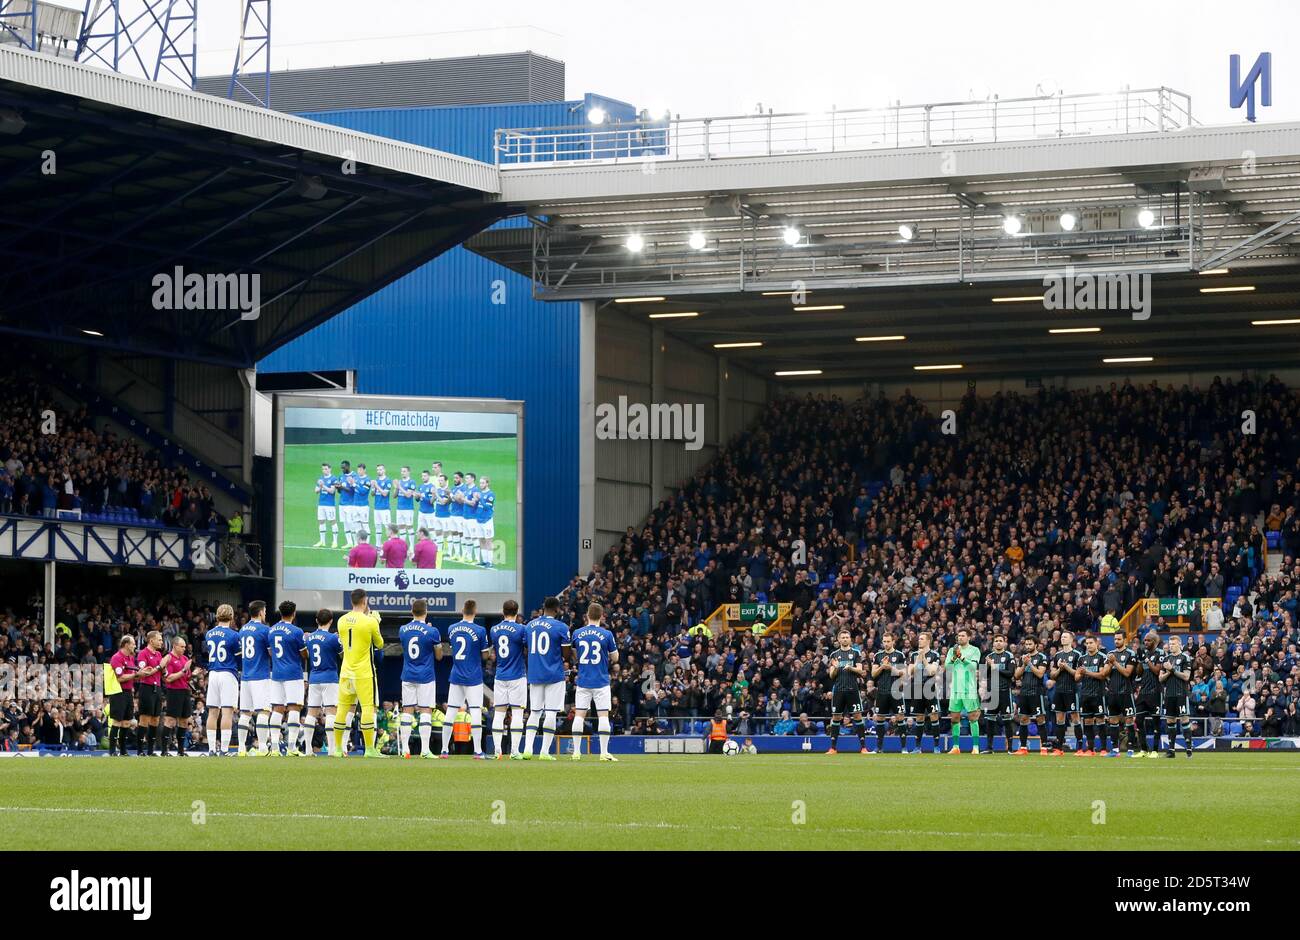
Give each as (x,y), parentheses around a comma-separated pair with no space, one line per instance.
(1065,695)
(1176,674)
(847,668)
(1149,659)
(922,697)
(1001,664)
(887,667)
(1091,676)
(1120,707)
(1032,703)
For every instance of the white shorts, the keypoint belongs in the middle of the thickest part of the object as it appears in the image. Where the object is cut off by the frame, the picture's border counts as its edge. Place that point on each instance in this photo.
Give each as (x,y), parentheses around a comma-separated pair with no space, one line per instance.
(255,695)
(223,690)
(286,693)
(546,697)
(426,521)
(487,530)
(591,698)
(441,524)
(457,524)
(325,514)
(510,692)
(471,696)
(472,529)
(405,517)
(322,694)
(383,519)
(421,694)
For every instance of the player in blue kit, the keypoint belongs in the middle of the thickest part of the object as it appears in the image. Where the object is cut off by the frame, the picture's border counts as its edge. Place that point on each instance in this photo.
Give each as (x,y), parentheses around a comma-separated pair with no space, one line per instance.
(222,644)
(456,543)
(287,655)
(347,485)
(469,647)
(469,496)
(361,503)
(406,493)
(548,638)
(509,640)
(326,513)
(324,654)
(428,493)
(382,487)
(255,682)
(487,504)
(596,651)
(421,648)
(441,511)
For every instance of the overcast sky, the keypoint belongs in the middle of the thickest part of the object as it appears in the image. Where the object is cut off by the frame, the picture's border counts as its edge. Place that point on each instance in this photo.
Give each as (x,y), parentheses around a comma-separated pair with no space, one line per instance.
(698,57)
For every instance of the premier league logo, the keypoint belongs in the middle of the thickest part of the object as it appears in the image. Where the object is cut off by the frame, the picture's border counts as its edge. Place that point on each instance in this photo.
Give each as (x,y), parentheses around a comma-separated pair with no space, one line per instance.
(401,581)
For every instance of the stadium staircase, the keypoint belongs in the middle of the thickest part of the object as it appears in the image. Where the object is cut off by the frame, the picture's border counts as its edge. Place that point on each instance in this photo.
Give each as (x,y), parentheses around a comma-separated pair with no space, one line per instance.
(101,404)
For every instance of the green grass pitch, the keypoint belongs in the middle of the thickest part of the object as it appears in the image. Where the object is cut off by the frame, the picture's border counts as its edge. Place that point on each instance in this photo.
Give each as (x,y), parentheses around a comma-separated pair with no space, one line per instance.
(1212,801)
(493,457)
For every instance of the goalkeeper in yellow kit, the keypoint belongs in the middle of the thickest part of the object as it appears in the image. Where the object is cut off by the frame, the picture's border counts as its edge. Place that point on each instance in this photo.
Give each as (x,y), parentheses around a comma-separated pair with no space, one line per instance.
(359,634)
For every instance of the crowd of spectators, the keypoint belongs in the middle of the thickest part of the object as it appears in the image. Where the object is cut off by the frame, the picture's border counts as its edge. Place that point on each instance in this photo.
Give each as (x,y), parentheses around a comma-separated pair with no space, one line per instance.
(89,630)
(1041,513)
(52,459)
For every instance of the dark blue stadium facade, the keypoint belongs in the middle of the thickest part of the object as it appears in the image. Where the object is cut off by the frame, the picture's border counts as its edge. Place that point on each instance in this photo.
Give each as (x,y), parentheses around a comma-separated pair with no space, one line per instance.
(444,331)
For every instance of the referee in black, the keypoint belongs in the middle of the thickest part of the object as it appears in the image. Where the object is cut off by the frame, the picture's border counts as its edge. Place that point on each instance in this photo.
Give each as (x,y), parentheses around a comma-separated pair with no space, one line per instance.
(847,667)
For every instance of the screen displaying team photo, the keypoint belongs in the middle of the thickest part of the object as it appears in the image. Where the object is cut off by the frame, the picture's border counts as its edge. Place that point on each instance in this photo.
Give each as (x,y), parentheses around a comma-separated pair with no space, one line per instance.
(404,499)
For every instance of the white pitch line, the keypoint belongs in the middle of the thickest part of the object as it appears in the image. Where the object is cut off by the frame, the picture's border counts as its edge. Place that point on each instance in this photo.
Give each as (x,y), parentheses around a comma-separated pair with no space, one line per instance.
(585,824)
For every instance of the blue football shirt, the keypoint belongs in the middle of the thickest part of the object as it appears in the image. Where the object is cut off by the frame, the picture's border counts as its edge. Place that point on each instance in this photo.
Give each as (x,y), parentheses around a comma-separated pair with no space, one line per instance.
(468,640)
(419,640)
(286,642)
(223,649)
(546,639)
(255,651)
(594,644)
(324,653)
(509,642)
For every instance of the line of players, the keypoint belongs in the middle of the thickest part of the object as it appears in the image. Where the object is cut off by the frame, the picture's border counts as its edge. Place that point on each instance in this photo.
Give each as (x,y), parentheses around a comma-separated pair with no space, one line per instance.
(1101,696)
(258,670)
(460,516)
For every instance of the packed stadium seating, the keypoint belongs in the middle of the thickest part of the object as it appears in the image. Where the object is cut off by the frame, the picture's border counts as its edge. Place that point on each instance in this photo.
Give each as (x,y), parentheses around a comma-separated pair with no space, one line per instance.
(98,475)
(1040,514)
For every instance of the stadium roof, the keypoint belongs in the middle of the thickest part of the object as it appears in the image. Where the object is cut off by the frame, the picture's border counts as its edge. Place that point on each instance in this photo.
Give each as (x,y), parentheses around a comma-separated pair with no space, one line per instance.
(1220,197)
(149,177)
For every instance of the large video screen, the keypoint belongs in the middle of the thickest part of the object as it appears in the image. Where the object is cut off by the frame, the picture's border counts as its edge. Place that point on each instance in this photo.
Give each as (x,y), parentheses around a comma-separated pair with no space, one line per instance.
(406,497)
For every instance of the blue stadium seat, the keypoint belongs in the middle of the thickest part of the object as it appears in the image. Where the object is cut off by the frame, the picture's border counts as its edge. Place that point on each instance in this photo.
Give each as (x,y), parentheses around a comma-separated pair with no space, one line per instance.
(1273,539)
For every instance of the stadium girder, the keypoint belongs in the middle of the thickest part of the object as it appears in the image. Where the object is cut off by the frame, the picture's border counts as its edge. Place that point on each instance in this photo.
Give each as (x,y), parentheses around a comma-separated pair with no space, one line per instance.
(1219,193)
(147,178)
